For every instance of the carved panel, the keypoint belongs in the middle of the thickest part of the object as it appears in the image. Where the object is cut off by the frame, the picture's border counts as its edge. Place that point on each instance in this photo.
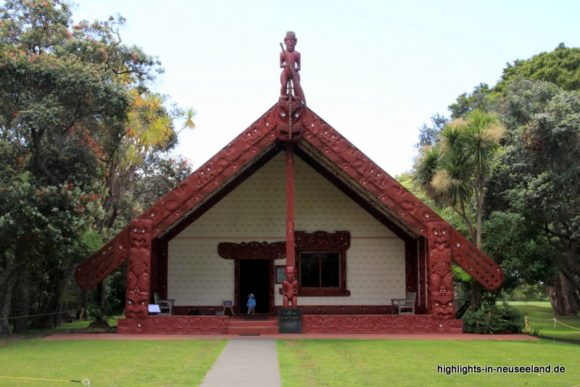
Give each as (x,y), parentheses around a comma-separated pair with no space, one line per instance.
(369,323)
(192,325)
(290,126)
(139,270)
(322,241)
(478,265)
(101,264)
(440,276)
(252,250)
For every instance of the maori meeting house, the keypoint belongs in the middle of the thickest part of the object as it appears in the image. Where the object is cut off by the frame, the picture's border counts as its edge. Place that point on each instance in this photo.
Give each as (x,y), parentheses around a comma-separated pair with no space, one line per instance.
(294,213)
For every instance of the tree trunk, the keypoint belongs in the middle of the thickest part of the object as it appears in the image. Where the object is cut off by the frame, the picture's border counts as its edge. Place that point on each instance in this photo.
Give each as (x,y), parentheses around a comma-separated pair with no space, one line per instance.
(5,307)
(564,296)
(22,307)
(475,295)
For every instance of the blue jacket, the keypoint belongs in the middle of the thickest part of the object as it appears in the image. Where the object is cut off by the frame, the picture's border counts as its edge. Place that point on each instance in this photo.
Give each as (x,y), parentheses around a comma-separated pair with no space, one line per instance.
(251,303)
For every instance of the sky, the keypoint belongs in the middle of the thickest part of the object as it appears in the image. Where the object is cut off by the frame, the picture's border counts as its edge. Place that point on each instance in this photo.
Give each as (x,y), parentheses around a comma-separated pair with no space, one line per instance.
(374,70)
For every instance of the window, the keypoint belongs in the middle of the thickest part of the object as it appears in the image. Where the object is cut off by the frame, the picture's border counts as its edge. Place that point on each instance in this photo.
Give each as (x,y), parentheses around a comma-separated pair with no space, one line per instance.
(321,263)
(319,270)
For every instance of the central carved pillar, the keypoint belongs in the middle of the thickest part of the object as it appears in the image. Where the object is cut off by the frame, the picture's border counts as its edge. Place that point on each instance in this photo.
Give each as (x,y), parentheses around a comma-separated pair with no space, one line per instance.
(290,285)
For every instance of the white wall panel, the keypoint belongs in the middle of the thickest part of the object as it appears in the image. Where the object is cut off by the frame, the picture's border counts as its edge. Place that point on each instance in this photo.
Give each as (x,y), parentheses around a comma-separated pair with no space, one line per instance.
(256,210)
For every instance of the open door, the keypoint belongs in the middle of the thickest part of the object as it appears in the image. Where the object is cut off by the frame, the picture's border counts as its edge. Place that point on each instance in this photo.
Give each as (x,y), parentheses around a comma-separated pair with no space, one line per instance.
(255,276)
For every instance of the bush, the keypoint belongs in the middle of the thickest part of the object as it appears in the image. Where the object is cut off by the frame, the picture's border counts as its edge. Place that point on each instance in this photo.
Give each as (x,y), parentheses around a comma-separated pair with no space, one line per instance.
(493,319)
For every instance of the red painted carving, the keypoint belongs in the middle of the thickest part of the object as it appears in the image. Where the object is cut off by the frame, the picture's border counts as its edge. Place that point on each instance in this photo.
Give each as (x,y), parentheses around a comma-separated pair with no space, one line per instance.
(318,137)
(139,270)
(346,309)
(290,288)
(252,250)
(103,262)
(351,161)
(323,241)
(372,323)
(289,180)
(476,263)
(440,276)
(290,64)
(289,127)
(192,325)
(405,207)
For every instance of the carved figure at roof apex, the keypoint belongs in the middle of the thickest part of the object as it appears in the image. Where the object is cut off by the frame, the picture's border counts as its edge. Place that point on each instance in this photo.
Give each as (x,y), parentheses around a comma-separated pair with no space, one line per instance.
(290,64)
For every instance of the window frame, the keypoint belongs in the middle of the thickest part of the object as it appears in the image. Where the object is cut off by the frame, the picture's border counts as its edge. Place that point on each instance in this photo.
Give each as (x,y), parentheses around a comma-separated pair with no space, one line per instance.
(323,242)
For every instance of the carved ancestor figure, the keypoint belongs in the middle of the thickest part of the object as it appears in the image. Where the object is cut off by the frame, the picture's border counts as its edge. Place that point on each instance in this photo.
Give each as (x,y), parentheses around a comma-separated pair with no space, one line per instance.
(290,63)
(290,288)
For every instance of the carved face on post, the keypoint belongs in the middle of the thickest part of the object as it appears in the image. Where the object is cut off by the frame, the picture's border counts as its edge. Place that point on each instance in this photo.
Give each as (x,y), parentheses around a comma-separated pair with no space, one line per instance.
(290,41)
(290,273)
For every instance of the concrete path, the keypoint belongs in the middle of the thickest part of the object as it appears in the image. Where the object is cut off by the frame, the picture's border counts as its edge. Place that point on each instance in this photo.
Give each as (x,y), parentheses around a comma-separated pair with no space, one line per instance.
(245,363)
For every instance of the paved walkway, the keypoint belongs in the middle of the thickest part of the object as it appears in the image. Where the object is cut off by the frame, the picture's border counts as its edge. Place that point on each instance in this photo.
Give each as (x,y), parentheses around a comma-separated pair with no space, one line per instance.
(245,363)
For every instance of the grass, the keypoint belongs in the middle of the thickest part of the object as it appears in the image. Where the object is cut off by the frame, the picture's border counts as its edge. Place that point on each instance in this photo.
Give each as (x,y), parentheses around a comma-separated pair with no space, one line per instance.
(413,362)
(541,315)
(107,363)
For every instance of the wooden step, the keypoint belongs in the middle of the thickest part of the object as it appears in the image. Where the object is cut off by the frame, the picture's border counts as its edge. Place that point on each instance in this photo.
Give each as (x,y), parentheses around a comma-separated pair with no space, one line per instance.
(253,327)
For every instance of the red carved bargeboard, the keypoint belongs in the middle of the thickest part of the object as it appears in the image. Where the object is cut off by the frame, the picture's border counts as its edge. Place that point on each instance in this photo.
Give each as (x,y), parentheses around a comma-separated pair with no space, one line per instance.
(369,323)
(192,325)
(190,194)
(313,134)
(393,196)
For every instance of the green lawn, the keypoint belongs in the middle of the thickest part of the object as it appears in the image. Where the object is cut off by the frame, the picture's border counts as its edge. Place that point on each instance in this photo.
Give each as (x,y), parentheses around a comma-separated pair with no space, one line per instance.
(541,317)
(108,363)
(413,362)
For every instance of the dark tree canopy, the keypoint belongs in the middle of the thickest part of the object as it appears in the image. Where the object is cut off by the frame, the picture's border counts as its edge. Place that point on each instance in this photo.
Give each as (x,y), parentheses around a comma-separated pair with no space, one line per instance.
(76,122)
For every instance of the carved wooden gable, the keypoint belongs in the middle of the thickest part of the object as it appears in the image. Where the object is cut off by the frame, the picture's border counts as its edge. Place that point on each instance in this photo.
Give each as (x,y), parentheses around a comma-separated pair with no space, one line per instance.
(298,124)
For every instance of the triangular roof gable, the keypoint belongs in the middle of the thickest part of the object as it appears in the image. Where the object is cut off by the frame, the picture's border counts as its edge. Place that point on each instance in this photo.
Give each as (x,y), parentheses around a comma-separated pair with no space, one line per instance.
(328,146)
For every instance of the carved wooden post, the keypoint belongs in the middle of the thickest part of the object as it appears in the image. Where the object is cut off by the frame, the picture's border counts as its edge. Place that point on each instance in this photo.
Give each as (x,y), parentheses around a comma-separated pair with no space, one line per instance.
(289,287)
(440,276)
(138,273)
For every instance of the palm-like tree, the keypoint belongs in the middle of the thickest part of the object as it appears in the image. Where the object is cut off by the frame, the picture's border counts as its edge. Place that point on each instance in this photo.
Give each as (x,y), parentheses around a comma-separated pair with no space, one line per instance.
(455,170)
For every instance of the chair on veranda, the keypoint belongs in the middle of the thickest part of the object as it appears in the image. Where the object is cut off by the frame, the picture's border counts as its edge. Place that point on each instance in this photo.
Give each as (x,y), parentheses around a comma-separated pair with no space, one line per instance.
(165,306)
(404,305)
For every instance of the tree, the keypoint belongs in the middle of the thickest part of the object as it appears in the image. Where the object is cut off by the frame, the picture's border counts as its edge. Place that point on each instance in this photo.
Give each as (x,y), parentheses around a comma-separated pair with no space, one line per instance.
(560,67)
(539,179)
(479,99)
(69,95)
(148,132)
(454,172)
(429,134)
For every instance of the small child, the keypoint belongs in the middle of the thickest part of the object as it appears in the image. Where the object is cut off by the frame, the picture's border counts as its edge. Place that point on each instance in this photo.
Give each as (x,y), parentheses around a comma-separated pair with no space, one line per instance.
(251,303)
